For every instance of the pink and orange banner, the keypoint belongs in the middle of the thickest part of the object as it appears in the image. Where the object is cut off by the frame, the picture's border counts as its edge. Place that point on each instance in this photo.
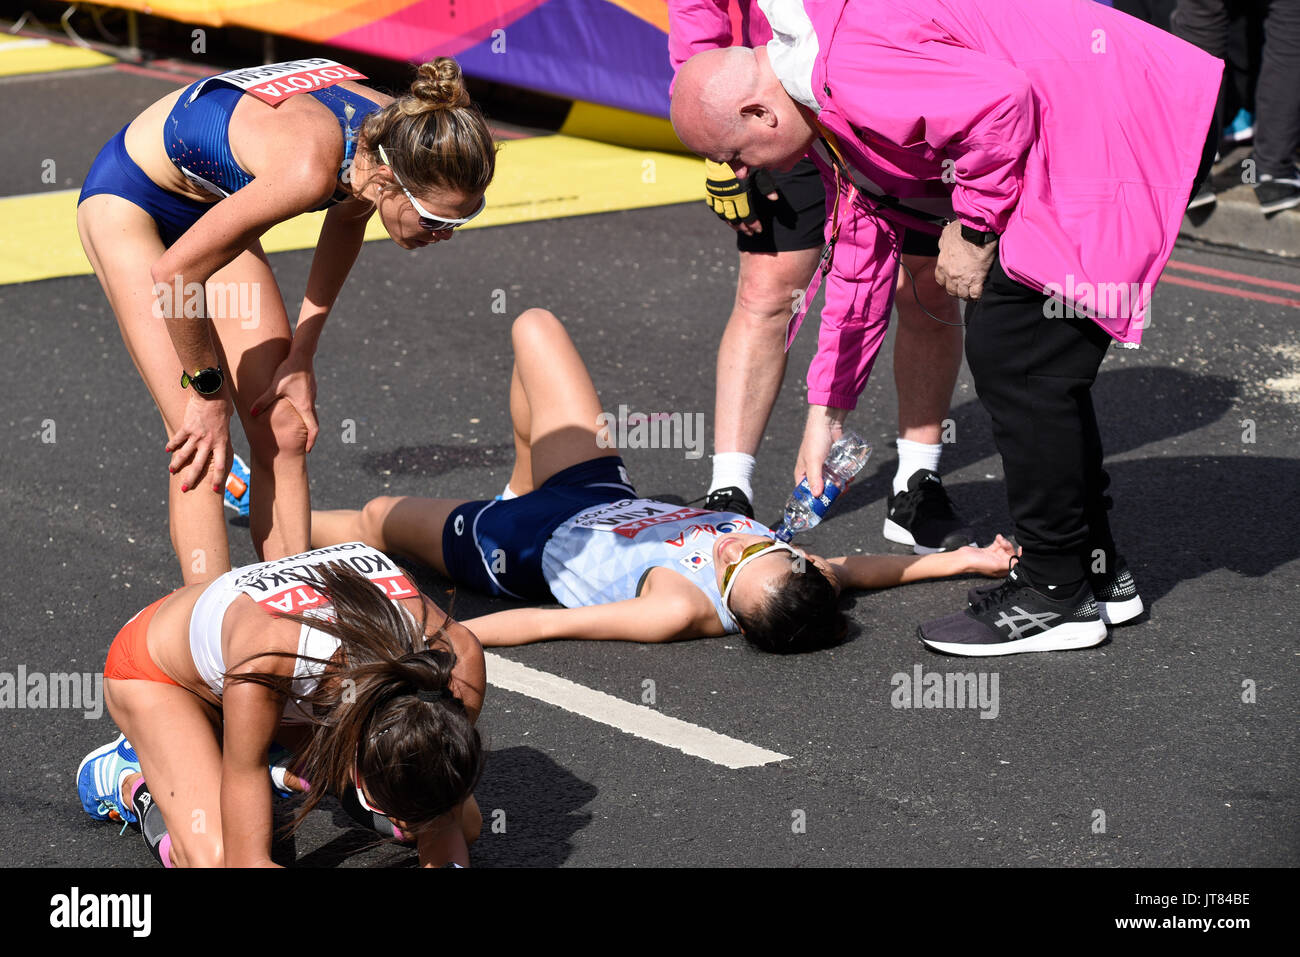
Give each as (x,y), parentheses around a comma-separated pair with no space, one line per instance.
(612,52)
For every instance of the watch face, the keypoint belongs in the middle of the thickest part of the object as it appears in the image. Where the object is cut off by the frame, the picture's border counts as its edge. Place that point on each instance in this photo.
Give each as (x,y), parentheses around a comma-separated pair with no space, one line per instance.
(207,381)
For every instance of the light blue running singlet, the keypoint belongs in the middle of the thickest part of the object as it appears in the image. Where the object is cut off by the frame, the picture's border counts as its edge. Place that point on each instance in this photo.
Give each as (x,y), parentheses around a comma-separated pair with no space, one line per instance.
(602,554)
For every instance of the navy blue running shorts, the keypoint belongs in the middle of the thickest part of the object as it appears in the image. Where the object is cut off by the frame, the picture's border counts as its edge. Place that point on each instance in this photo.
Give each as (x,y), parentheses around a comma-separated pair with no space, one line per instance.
(496,547)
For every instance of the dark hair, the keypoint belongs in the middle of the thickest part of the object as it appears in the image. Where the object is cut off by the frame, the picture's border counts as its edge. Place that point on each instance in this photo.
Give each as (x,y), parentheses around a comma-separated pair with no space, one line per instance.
(418,755)
(800,614)
(434,137)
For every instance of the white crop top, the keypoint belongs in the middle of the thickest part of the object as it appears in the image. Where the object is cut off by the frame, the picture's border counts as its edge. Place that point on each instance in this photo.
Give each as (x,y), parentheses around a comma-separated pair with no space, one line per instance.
(278,587)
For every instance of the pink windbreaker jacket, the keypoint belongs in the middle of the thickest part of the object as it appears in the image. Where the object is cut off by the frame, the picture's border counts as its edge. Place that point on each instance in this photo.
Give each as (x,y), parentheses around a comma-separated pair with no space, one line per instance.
(698,25)
(1072,130)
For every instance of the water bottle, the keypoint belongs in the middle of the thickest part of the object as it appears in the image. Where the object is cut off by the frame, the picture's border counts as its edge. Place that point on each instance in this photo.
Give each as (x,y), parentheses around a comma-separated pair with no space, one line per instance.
(804,510)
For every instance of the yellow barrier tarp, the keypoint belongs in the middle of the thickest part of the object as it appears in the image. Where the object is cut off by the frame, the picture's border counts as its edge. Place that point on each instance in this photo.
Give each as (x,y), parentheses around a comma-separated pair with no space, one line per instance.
(544,177)
(19,55)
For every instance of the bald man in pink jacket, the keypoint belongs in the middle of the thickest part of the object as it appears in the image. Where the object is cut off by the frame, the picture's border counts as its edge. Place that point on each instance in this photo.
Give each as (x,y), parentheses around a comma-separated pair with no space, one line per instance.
(1054,144)
(780,218)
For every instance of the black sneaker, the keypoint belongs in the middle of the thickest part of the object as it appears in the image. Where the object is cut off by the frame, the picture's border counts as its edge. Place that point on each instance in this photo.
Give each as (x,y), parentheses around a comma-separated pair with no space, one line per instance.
(1016,617)
(1277,193)
(729,499)
(1117,596)
(924,518)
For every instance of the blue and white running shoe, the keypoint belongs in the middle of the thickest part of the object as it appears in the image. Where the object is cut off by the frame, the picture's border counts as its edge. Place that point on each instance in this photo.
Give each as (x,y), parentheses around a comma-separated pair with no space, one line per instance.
(1241,129)
(99,780)
(237,485)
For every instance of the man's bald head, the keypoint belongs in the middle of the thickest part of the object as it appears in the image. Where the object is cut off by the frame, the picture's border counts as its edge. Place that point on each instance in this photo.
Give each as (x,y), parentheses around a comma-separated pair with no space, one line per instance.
(729,105)
(710,91)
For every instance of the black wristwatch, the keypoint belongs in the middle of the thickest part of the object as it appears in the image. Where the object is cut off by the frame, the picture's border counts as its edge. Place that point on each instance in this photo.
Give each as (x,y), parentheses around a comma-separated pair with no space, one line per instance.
(977,237)
(205,381)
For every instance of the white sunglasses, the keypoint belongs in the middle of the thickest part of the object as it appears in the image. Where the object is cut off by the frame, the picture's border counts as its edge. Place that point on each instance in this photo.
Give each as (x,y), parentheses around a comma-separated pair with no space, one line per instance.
(757,550)
(428,220)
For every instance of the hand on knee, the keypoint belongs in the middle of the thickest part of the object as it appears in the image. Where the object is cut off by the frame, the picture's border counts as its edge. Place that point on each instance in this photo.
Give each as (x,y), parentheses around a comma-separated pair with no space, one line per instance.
(283,434)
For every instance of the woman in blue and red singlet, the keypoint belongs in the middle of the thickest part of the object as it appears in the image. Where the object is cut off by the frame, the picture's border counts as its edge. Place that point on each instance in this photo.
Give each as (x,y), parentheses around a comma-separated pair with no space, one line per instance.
(171,216)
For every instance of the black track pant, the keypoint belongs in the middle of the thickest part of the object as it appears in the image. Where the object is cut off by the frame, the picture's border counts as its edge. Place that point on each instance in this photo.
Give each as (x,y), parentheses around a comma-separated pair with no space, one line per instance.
(1034,374)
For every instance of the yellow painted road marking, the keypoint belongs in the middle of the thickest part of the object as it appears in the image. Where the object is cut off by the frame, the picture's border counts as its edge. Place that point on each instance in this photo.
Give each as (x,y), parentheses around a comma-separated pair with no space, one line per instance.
(542,177)
(20,55)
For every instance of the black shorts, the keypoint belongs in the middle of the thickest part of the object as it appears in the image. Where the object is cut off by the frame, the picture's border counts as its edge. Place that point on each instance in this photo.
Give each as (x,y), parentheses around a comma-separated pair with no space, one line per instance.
(797,218)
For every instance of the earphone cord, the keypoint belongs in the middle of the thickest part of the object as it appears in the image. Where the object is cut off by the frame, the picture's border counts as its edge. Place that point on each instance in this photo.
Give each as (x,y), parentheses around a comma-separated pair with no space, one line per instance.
(899,256)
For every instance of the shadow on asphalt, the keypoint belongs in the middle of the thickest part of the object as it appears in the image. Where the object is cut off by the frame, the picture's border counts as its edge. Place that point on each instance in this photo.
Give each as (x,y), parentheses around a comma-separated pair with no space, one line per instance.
(1135,407)
(536,807)
(531,809)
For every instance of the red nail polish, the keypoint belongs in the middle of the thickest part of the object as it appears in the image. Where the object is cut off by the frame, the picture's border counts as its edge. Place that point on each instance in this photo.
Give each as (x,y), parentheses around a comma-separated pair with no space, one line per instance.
(185,488)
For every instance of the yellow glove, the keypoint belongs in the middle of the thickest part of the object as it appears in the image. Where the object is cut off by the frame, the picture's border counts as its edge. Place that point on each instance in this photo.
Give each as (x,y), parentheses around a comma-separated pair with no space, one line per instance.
(726,195)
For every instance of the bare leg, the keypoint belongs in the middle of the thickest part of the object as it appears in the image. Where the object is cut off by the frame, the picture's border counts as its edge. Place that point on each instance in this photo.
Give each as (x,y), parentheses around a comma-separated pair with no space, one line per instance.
(521,421)
(176,736)
(253,331)
(403,524)
(121,242)
(555,409)
(751,357)
(927,354)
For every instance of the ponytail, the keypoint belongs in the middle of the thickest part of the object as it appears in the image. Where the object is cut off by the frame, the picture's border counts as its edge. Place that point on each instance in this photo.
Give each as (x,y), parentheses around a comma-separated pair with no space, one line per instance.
(387,711)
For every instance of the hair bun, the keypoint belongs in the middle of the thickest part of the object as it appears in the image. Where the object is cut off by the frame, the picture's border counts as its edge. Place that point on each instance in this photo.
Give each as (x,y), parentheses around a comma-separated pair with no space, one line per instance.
(440,85)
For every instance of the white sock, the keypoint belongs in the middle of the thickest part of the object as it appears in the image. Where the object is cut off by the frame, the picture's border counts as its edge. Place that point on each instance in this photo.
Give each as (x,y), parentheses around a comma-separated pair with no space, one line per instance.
(508,493)
(733,468)
(913,456)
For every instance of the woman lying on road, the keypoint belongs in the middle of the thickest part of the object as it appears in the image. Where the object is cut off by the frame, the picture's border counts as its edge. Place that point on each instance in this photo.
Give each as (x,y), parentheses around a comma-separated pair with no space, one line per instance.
(171,216)
(332,654)
(570,528)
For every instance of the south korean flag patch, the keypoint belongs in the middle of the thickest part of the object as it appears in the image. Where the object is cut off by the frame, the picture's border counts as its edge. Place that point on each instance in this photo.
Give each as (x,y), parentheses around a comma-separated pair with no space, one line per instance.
(696,560)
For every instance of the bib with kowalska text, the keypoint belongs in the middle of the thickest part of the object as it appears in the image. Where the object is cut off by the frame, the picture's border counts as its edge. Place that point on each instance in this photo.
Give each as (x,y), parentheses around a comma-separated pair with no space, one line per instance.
(279,585)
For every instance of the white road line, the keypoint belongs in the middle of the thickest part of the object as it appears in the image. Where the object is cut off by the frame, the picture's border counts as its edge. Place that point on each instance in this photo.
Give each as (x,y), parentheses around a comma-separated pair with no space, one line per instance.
(633,718)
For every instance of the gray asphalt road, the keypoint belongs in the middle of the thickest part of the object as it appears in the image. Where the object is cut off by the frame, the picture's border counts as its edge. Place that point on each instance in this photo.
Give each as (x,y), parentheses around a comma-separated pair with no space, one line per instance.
(1139,752)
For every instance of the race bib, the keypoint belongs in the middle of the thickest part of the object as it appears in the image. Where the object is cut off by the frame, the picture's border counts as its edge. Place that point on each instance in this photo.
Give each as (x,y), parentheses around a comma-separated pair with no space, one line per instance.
(631,516)
(279,587)
(274,82)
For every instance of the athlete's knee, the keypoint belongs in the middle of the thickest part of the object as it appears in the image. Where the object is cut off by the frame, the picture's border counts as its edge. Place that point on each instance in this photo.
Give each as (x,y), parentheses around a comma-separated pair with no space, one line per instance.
(372,518)
(533,322)
(763,309)
(280,431)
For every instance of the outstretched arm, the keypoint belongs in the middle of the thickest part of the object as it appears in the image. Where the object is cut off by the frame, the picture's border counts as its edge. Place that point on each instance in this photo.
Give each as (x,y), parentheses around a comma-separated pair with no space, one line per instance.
(637,619)
(886,571)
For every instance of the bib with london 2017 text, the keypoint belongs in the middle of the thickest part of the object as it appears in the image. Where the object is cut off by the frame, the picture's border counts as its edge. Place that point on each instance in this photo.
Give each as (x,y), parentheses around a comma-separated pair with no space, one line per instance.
(285,586)
(275,82)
